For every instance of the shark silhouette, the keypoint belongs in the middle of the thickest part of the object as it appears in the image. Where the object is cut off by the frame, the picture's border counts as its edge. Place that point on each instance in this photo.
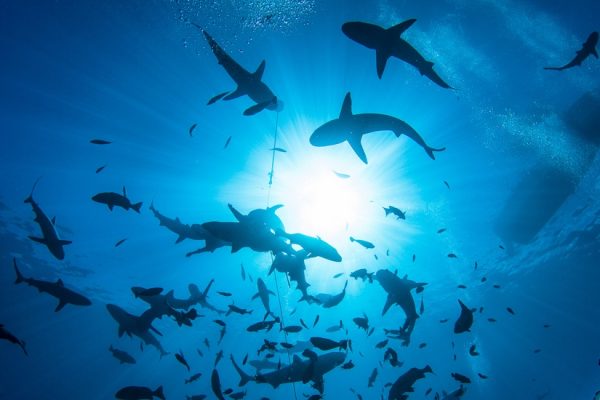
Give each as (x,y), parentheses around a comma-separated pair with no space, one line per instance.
(588,48)
(351,128)
(388,43)
(248,83)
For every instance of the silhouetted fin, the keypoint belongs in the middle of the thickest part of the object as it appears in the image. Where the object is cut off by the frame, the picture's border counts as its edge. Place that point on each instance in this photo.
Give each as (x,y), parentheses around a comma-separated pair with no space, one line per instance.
(355,143)
(216,98)
(402,26)
(388,303)
(260,70)
(381,57)
(60,306)
(235,94)
(346,110)
(37,239)
(255,109)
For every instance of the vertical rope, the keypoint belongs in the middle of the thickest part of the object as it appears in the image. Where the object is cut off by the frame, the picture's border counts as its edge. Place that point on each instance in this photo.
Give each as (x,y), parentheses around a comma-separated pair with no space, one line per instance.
(272,257)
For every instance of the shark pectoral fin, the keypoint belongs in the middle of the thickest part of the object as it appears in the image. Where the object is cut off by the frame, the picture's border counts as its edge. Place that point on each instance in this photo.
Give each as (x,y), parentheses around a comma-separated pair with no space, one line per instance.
(255,109)
(110,207)
(346,110)
(180,239)
(355,143)
(121,331)
(402,26)
(381,57)
(238,92)
(271,293)
(259,71)
(60,306)
(388,303)
(255,296)
(37,239)
(64,242)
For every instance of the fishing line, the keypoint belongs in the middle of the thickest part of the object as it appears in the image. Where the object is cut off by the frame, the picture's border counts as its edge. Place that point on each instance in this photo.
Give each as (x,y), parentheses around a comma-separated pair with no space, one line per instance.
(272,257)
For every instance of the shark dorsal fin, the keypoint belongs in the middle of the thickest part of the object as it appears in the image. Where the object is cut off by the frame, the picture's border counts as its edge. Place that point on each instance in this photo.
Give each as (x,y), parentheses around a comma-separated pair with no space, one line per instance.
(238,215)
(60,283)
(401,27)
(260,70)
(346,110)
(124,192)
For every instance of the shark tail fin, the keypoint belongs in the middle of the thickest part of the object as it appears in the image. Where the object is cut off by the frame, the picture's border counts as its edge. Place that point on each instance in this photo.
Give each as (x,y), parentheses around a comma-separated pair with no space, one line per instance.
(29,198)
(244,377)
(428,369)
(136,207)
(159,393)
(20,277)
(430,150)
(402,26)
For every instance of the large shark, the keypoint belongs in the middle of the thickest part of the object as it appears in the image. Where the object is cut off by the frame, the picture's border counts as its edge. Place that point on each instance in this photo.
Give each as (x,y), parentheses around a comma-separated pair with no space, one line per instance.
(183,231)
(55,289)
(310,370)
(195,297)
(50,236)
(248,83)
(398,291)
(388,43)
(136,326)
(588,49)
(351,128)
(314,246)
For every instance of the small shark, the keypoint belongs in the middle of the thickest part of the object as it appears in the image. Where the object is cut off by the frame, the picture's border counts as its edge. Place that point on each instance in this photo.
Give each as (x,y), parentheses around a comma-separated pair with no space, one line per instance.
(6,335)
(351,128)
(195,297)
(249,84)
(160,306)
(183,231)
(136,326)
(398,291)
(305,371)
(314,246)
(388,43)
(404,384)
(50,236)
(122,356)
(112,199)
(263,293)
(588,48)
(55,289)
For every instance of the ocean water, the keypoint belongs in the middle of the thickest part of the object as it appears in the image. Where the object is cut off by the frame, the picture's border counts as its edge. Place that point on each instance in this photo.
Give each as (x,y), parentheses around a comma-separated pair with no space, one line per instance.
(516,191)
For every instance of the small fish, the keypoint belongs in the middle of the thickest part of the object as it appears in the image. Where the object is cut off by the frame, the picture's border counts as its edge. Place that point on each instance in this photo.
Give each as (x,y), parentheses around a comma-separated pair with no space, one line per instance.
(492,319)
(461,286)
(245,360)
(192,129)
(292,329)
(120,242)
(364,243)
(375,256)
(382,344)
(215,383)
(228,391)
(99,141)
(387,252)
(460,378)
(348,365)
(473,350)
(99,169)
(447,185)
(269,356)
(442,230)
(483,279)
(452,255)
(372,377)
(180,357)
(316,320)
(547,326)
(227,142)
(207,343)
(243,272)
(225,294)
(218,358)
(502,247)
(219,322)
(286,345)
(422,308)
(476,265)
(303,324)
(480,310)
(414,257)
(536,351)
(200,353)
(216,98)
(193,378)
(341,175)
(482,376)
(423,345)
(428,391)
(371,331)
(510,310)
(443,321)
(279,149)
(338,275)
(496,286)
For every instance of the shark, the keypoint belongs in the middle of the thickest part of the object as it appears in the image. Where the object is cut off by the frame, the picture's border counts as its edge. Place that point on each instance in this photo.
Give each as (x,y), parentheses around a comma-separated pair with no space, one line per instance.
(160,306)
(183,231)
(311,370)
(248,83)
(404,384)
(328,300)
(195,297)
(136,326)
(351,128)
(50,236)
(55,289)
(398,291)
(263,293)
(588,49)
(389,43)
(314,246)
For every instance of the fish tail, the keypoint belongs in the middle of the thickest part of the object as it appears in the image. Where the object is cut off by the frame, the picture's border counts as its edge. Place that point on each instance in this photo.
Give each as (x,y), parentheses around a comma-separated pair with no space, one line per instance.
(159,393)
(430,151)
(20,277)
(352,239)
(29,198)
(387,211)
(244,377)
(428,369)
(136,207)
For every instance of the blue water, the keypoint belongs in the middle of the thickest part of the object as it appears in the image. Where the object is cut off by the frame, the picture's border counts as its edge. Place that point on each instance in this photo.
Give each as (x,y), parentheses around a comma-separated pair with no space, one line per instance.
(139,74)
